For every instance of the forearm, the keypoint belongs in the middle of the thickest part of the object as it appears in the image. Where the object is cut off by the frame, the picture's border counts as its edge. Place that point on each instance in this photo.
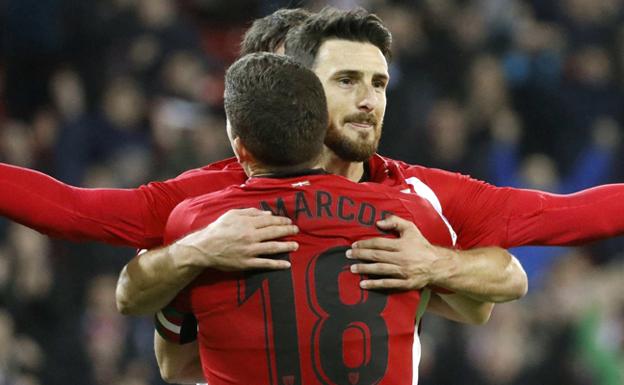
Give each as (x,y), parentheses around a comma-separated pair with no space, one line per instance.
(484,274)
(152,279)
(178,364)
(51,207)
(239,239)
(459,308)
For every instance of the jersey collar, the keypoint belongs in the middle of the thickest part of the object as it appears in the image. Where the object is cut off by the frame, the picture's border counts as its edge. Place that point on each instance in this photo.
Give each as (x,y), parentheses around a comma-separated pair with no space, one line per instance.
(291,174)
(376,169)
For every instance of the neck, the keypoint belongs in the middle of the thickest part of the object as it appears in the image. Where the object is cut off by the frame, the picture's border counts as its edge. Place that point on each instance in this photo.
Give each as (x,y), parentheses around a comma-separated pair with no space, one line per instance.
(256,169)
(335,165)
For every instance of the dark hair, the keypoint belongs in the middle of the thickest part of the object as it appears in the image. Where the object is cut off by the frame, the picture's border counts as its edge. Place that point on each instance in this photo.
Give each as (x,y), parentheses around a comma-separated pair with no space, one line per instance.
(304,41)
(277,107)
(267,33)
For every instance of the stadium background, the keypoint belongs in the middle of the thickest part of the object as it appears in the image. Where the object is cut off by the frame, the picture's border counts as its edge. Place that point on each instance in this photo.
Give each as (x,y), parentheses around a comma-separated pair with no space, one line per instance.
(119,92)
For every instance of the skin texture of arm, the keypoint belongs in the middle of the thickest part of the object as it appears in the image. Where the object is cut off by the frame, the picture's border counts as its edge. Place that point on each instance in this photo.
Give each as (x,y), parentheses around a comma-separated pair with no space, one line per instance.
(410,262)
(460,308)
(178,364)
(233,242)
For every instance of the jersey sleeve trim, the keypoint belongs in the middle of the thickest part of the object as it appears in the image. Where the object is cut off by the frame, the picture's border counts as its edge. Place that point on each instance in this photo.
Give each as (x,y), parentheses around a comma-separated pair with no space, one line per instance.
(176,327)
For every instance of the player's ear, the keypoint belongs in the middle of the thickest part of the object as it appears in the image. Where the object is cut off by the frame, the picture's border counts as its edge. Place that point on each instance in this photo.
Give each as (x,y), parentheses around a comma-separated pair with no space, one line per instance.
(241,152)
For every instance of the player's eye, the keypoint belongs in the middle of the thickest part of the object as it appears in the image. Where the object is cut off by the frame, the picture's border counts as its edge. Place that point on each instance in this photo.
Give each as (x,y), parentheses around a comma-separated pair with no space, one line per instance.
(379,84)
(345,81)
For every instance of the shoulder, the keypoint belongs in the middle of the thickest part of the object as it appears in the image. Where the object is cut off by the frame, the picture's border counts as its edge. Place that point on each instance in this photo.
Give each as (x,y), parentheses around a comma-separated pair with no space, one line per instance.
(225,165)
(401,170)
(212,177)
(211,199)
(197,212)
(383,170)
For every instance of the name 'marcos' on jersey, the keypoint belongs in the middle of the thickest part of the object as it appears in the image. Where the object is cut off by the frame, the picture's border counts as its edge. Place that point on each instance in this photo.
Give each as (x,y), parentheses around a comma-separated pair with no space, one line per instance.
(323,204)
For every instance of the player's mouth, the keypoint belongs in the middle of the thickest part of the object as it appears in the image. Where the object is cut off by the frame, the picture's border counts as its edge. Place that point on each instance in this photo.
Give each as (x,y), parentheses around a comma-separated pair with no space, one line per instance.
(361,126)
(361,122)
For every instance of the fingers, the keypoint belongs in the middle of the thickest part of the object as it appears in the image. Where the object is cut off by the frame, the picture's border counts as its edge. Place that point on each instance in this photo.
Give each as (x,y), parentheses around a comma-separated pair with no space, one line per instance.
(261,221)
(274,232)
(259,218)
(252,212)
(397,224)
(267,263)
(385,283)
(272,248)
(388,244)
(384,269)
(372,255)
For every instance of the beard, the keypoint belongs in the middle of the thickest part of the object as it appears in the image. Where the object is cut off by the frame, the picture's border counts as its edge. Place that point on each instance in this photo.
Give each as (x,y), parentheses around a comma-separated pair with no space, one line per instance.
(352,150)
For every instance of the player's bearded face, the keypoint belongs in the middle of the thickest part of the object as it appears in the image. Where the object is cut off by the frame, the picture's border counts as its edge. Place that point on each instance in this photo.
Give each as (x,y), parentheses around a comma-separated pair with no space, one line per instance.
(354,76)
(355,145)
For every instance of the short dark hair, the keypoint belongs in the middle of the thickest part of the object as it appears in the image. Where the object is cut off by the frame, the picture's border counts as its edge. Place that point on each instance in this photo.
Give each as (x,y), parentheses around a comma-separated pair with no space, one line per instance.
(304,41)
(277,107)
(267,33)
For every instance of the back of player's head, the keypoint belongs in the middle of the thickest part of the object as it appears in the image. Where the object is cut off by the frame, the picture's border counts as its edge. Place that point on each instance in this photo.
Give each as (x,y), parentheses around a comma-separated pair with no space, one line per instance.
(277,108)
(303,42)
(268,33)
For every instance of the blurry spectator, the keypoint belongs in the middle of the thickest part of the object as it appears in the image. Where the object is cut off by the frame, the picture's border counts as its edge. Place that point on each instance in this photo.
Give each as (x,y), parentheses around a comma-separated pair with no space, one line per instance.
(590,21)
(487,90)
(161,31)
(7,370)
(120,125)
(588,93)
(185,130)
(404,133)
(533,66)
(16,145)
(500,353)
(104,330)
(448,140)
(448,136)
(593,166)
(33,40)
(33,274)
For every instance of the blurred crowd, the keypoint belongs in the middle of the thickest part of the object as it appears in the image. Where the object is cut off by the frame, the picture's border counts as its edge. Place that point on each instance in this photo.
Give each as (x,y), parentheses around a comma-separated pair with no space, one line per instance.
(114,93)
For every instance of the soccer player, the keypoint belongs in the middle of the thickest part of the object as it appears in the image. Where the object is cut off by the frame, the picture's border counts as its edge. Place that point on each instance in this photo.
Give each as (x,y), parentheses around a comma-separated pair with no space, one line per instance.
(312,323)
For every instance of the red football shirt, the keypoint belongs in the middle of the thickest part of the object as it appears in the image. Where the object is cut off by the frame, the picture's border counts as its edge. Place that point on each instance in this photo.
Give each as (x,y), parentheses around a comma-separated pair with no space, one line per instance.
(311,324)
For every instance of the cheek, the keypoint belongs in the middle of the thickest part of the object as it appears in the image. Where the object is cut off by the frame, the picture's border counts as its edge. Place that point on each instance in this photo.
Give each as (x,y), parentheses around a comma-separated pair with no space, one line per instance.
(382,104)
(338,101)
(335,115)
(381,111)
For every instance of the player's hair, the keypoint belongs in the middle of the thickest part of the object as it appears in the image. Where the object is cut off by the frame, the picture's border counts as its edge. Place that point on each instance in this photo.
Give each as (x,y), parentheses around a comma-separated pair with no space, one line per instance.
(304,41)
(267,33)
(278,109)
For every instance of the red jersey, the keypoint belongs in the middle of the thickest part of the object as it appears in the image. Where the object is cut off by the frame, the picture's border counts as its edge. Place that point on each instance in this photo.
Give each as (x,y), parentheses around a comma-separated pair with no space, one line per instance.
(310,324)
(481,214)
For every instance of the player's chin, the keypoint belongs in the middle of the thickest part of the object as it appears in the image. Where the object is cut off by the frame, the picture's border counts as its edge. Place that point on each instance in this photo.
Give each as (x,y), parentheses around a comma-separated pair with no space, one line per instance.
(363,152)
